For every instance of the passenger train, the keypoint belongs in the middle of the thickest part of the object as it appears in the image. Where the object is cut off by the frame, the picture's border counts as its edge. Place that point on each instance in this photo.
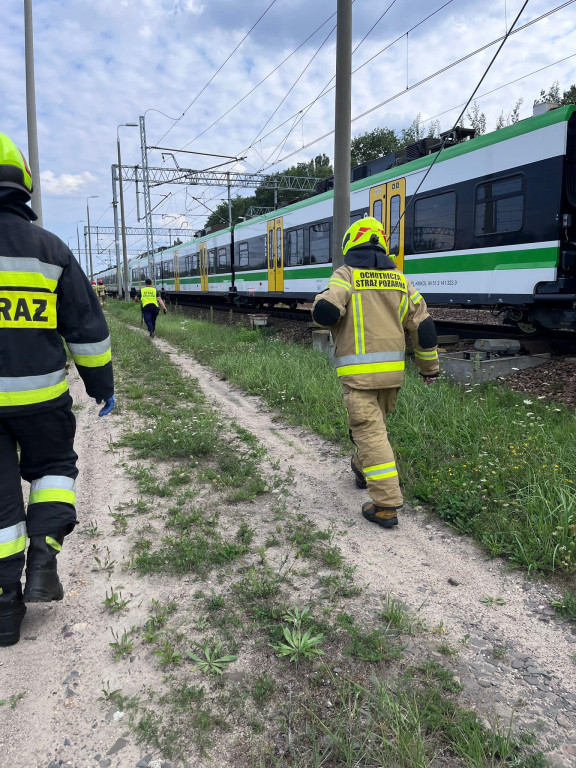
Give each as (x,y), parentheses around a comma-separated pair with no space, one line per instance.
(492,225)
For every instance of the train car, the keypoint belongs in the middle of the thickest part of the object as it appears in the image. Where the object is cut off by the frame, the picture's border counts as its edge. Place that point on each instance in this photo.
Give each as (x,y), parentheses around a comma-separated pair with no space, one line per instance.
(491,224)
(203,265)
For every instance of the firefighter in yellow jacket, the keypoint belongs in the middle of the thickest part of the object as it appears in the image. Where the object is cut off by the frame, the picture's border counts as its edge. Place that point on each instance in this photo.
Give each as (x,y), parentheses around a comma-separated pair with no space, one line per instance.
(369,304)
(44,298)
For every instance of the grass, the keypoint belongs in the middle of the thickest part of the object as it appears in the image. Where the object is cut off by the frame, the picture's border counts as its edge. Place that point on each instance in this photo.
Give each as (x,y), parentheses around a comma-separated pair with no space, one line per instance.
(492,463)
(222,653)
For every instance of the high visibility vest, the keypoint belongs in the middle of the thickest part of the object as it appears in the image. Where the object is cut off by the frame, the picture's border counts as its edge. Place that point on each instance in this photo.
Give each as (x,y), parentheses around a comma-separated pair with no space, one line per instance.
(148,296)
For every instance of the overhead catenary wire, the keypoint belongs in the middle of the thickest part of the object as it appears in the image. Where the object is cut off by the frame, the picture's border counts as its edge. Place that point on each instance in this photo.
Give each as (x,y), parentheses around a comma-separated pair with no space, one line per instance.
(220,68)
(251,91)
(460,116)
(328,87)
(432,76)
(299,117)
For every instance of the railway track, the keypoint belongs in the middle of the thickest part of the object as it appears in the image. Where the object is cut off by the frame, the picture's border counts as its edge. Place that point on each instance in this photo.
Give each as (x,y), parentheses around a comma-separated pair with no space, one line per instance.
(543,340)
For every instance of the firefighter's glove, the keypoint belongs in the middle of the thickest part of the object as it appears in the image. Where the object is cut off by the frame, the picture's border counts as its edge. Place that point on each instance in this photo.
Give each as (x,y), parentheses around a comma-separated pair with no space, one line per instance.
(108,405)
(430,379)
(165,311)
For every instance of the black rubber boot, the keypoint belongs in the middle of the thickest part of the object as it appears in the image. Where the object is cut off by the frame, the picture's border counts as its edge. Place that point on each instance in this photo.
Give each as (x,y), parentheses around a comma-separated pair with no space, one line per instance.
(386,517)
(360,479)
(42,582)
(12,610)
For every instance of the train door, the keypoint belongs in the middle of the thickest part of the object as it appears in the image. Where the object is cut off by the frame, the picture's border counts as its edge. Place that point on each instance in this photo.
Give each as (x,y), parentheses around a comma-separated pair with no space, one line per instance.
(387,202)
(275,248)
(203,259)
(176,272)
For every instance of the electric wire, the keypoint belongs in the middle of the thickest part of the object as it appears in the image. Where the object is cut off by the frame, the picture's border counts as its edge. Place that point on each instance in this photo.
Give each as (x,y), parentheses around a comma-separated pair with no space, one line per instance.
(215,122)
(431,77)
(445,139)
(327,87)
(302,114)
(201,91)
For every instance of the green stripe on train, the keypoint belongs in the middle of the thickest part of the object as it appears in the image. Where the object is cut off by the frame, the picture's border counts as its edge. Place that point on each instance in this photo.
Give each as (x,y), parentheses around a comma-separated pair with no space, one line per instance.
(535,258)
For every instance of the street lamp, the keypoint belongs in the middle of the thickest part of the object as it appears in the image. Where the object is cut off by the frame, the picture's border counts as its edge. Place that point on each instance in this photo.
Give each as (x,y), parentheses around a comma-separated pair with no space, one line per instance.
(89,237)
(78,239)
(123,223)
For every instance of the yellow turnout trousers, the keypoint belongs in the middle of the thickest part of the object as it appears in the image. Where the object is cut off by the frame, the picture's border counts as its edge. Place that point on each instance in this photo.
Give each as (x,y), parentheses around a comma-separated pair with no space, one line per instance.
(367,411)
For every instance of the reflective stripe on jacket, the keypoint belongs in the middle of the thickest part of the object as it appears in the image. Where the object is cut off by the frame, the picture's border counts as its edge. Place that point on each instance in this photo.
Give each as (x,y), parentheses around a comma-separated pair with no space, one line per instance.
(148,296)
(375,307)
(44,296)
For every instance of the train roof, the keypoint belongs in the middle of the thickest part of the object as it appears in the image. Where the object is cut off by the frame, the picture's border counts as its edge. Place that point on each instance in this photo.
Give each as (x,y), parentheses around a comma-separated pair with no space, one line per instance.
(529,124)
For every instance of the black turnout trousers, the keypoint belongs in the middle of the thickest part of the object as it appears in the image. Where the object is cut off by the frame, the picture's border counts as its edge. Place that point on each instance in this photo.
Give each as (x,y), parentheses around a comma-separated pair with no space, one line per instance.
(48,462)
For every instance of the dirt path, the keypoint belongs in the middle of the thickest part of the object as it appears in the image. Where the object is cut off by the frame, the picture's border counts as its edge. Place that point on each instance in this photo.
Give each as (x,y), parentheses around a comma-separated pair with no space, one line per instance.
(516,657)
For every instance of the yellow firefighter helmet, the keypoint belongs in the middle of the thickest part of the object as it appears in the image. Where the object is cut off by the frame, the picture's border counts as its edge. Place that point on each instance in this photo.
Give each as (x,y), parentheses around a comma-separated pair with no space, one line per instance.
(14,170)
(363,232)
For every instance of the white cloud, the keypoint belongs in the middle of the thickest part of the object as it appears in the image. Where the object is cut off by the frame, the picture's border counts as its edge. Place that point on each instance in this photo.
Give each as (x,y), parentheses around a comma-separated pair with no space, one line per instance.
(65,185)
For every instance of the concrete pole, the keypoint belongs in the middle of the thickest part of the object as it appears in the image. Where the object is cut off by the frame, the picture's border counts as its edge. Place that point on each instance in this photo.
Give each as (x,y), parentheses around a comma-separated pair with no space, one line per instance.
(116,233)
(90,236)
(31,112)
(229,202)
(123,222)
(343,130)
(86,270)
(78,239)
(147,205)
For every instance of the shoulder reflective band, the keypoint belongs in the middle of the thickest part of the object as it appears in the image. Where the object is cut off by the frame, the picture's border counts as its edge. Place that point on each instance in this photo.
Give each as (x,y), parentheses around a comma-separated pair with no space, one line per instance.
(12,540)
(403,308)
(91,355)
(426,355)
(378,279)
(416,297)
(340,283)
(27,309)
(52,488)
(373,362)
(28,273)
(27,390)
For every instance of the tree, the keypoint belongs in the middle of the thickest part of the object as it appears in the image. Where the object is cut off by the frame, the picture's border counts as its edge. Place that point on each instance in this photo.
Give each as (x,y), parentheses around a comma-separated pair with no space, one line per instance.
(569,96)
(552,94)
(219,216)
(477,119)
(512,117)
(374,144)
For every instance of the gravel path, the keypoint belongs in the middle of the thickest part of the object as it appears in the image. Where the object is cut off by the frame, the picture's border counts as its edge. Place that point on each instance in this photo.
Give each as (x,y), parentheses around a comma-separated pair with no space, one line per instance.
(515,657)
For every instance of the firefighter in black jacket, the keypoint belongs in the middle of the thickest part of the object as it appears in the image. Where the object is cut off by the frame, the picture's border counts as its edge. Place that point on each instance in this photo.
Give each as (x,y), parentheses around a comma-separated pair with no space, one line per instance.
(44,295)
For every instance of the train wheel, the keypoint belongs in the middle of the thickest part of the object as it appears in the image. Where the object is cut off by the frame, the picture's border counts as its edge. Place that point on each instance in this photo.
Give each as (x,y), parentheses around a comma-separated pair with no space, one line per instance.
(528,328)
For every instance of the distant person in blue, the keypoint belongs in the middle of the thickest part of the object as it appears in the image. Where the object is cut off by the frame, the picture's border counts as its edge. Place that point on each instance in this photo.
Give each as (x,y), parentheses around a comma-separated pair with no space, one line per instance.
(149,301)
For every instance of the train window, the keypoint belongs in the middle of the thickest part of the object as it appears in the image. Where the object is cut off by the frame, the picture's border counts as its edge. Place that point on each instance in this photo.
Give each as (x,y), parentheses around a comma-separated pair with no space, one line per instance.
(294,255)
(270,249)
(355,217)
(435,222)
(279,247)
(211,259)
(159,271)
(135,275)
(499,206)
(223,258)
(320,243)
(168,269)
(395,225)
(378,210)
(243,255)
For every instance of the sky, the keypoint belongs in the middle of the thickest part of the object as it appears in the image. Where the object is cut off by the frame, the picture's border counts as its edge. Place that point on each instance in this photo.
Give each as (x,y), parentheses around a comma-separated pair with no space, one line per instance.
(185,64)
